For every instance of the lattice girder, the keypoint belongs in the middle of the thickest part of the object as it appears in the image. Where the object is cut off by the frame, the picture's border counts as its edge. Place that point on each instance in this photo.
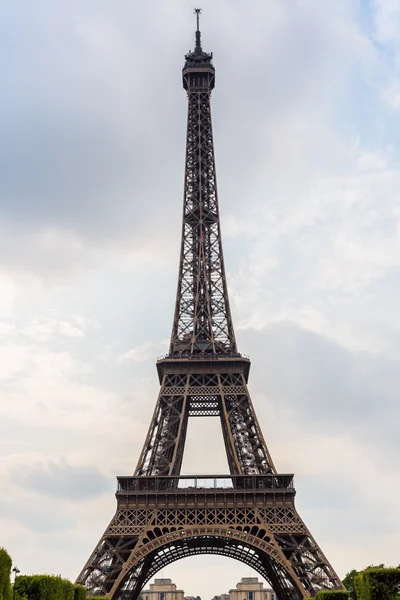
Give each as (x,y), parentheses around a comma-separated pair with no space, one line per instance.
(202,322)
(204,394)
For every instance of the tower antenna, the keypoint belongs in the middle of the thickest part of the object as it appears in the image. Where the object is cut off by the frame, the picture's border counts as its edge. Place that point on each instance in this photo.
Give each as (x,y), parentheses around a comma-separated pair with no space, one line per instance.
(198,13)
(198,34)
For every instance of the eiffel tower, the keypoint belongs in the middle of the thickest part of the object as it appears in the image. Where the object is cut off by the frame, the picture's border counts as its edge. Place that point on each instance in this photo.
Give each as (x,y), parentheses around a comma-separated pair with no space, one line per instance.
(249,514)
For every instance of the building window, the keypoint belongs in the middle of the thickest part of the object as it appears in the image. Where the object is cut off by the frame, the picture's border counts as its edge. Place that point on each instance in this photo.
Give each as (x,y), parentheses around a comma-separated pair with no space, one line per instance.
(251,596)
(162,596)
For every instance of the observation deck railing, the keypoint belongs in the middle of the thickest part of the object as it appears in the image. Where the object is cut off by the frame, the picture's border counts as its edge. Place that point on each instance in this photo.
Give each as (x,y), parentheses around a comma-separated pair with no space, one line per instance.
(205,483)
(203,356)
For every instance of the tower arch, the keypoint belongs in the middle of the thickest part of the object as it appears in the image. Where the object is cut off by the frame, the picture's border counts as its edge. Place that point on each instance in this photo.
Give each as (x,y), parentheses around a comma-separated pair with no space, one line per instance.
(258,553)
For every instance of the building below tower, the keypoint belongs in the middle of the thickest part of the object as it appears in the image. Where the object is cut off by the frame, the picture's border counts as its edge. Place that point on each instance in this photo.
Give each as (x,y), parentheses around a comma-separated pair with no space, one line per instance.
(249,588)
(162,589)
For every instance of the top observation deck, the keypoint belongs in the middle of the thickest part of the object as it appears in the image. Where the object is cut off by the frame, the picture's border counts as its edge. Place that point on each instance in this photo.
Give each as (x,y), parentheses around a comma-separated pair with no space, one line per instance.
(198,62)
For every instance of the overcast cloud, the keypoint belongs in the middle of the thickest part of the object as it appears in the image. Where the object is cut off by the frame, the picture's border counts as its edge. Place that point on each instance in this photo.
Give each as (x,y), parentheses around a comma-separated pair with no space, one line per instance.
(92,137)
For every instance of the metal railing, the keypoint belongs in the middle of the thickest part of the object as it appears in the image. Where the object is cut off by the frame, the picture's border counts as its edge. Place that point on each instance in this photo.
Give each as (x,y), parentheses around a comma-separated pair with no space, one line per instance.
(204,356)
(204,483)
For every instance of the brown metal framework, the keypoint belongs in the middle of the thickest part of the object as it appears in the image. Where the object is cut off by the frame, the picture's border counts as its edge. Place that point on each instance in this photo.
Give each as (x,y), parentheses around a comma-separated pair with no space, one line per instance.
(249,515)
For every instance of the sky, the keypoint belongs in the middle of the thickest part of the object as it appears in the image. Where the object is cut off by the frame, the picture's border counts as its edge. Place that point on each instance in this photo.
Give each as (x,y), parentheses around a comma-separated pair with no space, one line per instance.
(306,114)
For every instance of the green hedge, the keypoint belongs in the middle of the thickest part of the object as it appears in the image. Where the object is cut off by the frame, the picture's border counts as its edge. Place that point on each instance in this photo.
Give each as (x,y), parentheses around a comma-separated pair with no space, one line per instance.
(5,572)
(44,587)
(48,587)
(348,583)
(333,595)
(79,592)
(378,584)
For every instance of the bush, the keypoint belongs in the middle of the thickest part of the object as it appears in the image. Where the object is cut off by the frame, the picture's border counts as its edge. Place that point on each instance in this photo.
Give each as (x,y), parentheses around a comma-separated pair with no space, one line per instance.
(378,584)
(5,572)
(348,583)
(44,587)
(333,595)
(79,592)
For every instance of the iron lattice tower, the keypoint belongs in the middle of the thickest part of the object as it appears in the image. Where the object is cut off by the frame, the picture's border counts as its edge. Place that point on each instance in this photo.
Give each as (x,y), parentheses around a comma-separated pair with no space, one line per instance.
(162,516)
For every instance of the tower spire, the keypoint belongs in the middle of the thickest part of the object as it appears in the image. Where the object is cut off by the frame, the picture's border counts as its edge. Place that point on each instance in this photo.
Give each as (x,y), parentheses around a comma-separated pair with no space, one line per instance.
(198,48)
(197,58)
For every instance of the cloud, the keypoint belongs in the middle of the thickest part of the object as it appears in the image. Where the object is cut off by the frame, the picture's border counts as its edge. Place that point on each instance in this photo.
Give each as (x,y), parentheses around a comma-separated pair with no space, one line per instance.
(46,331)
(62,480)
(144,352)
(329,386)
(84,141)
(387,20)
(32,516)
(386,30)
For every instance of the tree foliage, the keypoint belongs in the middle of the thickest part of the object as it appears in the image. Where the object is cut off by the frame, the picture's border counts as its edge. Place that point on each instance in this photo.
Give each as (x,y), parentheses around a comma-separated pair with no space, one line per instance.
(79,592)
(348,583)
(44,587)
(332,595)
(5,572)
(377,583)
